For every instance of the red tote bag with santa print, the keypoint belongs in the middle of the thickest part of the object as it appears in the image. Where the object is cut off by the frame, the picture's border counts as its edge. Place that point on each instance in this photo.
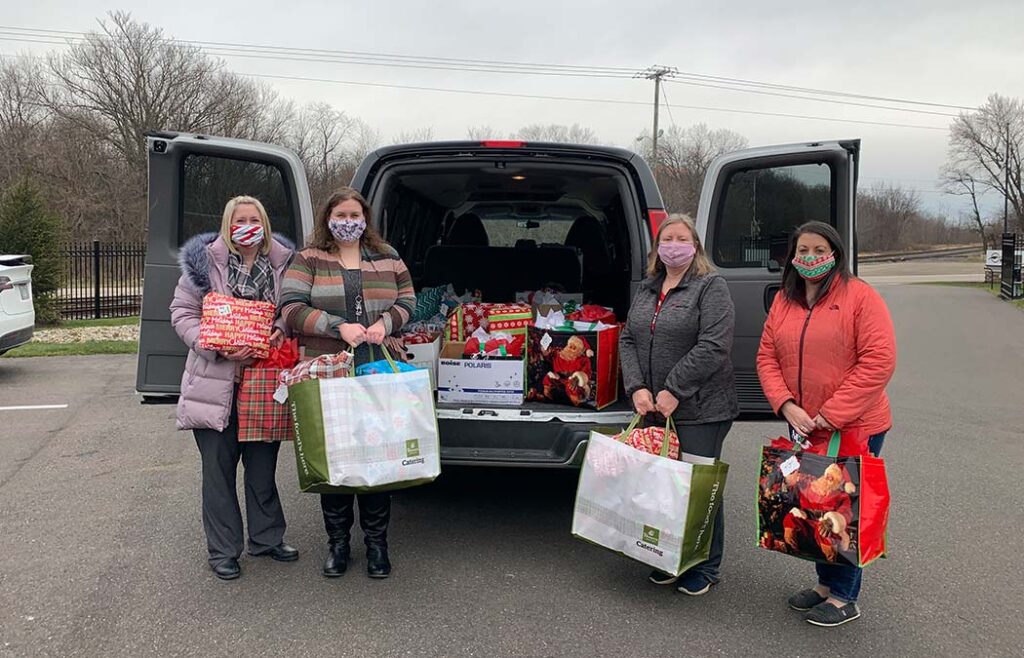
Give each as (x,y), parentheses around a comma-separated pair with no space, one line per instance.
(828,506)
(579,368)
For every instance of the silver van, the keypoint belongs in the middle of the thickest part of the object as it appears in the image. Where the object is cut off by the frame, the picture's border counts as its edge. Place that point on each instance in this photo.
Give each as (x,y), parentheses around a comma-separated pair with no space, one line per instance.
(502,217)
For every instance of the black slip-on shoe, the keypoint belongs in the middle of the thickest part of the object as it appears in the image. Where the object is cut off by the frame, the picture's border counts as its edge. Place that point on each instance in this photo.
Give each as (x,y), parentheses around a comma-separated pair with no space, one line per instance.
(806,599)
(826,614)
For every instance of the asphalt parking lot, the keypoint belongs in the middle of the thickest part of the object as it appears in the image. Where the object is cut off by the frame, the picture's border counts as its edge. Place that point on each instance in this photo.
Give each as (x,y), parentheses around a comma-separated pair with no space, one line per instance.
(103,554)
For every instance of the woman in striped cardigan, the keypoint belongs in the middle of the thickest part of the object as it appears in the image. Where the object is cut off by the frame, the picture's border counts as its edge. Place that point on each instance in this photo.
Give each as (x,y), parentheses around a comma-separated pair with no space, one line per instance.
(348,288)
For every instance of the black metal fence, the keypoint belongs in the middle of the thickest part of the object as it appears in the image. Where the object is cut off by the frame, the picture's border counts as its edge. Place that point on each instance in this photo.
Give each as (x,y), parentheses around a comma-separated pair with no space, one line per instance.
(102,280)
(1011,284)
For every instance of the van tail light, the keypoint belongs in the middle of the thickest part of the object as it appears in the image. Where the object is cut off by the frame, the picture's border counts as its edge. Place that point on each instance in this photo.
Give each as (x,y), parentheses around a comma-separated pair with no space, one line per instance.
(655,216)
(502,144)
(5,284)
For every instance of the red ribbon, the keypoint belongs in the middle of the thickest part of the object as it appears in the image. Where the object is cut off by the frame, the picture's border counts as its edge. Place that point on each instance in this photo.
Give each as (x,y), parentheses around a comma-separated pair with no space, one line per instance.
(285,356)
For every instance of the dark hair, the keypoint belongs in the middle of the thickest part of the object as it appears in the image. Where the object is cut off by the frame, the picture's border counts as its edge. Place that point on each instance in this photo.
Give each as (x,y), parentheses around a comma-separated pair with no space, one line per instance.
(323,238)
(792,283)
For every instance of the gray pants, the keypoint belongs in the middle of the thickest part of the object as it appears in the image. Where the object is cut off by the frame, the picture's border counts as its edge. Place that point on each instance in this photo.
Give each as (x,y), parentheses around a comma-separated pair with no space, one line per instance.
(222,518)
(706,441)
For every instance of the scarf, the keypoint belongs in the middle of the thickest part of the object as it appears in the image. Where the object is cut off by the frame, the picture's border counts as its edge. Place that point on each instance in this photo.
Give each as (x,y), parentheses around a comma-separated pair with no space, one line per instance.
(256,284)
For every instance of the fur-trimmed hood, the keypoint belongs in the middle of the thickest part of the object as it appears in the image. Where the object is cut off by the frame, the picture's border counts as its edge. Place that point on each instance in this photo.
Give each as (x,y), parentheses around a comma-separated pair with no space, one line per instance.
(194,256)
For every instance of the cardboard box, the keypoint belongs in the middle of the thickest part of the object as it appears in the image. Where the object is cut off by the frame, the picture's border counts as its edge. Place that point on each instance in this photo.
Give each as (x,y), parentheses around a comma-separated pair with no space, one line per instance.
(580,368)
(425,355)
(478,381)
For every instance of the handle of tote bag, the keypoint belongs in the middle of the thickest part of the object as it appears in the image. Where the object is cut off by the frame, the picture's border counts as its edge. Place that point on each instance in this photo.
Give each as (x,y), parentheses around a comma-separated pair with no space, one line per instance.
(624,435)
(670,426)
(833,444)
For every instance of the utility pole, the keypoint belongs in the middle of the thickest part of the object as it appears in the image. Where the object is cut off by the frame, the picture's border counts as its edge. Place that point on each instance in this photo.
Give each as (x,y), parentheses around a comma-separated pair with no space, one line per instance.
(1006,178)
(656,73)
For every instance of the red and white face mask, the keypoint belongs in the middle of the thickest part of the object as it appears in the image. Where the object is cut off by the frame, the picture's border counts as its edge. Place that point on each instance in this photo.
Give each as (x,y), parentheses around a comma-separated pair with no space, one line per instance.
(247,235)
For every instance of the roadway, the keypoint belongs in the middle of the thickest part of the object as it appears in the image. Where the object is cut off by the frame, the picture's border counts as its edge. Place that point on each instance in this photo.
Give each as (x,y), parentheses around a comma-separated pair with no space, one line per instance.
(103,552)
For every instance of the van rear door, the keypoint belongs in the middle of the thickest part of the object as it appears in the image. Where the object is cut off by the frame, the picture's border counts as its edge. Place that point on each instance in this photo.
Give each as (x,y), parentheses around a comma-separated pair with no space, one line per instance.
(750,203)
(191,178)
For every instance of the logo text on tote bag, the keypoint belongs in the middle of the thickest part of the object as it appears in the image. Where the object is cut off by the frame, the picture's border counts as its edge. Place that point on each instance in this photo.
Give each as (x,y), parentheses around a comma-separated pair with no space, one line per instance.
(650,538)
(412,449)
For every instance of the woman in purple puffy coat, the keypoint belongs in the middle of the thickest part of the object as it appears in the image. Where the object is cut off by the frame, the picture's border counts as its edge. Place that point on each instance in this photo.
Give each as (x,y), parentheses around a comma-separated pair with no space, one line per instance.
(243,260)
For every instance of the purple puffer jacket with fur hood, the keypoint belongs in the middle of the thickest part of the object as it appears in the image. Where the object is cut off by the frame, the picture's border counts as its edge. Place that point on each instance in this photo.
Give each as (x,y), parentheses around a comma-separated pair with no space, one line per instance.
(208,383)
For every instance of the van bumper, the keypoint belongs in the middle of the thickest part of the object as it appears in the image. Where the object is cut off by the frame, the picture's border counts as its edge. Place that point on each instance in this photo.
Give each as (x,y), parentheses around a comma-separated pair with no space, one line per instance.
(551,444)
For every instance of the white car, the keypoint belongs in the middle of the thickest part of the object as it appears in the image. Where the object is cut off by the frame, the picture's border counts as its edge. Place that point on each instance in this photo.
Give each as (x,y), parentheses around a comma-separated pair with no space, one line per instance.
(17,317)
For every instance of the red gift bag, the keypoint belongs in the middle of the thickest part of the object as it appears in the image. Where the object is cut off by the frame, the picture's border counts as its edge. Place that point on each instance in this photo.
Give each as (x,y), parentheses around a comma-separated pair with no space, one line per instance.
(260,416)
(829,507)
(228,324)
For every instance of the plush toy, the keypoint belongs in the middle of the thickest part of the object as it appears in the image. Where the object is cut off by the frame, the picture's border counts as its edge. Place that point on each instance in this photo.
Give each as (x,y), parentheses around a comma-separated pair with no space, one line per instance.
(571,372)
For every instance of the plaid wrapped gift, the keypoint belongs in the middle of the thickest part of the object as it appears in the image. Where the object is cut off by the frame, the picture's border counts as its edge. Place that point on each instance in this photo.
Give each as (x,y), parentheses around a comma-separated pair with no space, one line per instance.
(325,366)
(260,417)
(228,324)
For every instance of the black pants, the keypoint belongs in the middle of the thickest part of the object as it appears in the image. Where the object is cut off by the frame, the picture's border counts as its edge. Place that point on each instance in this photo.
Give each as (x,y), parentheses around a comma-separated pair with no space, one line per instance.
(374,515)
(706,441)
(222,518)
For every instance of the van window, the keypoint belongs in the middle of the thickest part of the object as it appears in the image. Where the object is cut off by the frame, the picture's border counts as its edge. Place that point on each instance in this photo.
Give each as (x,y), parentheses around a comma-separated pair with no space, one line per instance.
(208,182)
(509,232)
(761,207)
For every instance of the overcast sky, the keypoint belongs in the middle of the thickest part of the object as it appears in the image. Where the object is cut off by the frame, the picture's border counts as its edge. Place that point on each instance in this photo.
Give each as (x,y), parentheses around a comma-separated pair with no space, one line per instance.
(934,50)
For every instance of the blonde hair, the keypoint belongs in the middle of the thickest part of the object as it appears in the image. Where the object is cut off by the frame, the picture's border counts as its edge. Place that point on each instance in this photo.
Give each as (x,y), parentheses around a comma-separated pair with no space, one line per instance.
(700,265)
(229,212)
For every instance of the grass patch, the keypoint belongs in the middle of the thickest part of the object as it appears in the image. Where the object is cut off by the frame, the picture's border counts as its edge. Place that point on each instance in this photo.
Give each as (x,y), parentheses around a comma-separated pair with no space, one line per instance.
(104,322)
(75,349)
(958,284)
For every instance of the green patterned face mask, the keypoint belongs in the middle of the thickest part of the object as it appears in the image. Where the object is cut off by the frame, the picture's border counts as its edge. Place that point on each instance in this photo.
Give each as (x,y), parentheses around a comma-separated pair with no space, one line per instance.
(814,268)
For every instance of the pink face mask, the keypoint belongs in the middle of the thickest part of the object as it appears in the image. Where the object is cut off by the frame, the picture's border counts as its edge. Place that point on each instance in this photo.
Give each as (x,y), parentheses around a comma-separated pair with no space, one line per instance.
(676,254)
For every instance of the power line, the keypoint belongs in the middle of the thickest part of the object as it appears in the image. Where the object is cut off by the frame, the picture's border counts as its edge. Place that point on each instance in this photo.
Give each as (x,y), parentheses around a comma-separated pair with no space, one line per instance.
(230,49)
(583,99)
(814,100)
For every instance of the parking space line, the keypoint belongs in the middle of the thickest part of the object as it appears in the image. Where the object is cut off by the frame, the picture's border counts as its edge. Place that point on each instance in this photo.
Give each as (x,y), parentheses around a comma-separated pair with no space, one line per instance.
(34,407)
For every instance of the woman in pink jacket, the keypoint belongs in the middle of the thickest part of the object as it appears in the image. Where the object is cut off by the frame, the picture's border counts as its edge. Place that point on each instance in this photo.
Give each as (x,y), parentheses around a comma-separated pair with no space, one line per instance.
(827,352)
(244,261)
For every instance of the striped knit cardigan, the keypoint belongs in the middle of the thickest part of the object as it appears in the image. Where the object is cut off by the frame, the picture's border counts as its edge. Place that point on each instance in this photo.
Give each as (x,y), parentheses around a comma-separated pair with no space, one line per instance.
(313,301)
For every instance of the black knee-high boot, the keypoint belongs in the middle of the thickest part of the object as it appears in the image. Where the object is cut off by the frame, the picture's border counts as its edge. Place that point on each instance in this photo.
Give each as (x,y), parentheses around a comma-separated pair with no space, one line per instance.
(339,515)
(374,515)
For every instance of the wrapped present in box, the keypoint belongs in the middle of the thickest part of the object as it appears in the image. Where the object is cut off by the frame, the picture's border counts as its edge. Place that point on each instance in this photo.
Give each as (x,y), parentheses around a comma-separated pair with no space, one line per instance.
(325,366)
(260,416)
(229,324)
(467,318)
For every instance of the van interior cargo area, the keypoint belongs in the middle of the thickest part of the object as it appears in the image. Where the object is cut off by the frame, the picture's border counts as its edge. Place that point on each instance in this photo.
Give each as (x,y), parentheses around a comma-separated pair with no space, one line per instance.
(502,228)
(506,227)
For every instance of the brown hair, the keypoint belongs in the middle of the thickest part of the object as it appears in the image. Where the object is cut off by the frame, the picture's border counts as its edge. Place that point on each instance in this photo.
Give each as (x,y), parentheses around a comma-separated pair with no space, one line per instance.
(322,237)
(700,265)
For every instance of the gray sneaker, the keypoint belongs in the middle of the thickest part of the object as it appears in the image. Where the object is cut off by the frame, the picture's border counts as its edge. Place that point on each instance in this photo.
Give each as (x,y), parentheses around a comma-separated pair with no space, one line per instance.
(806,599)
(826,614)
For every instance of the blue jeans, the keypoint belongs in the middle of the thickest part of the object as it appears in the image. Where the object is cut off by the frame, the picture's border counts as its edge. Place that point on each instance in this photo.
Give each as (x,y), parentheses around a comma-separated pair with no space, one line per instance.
(842,581)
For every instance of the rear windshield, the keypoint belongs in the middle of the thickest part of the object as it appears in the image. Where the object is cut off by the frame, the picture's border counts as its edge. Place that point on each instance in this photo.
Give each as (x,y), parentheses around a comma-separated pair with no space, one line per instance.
(761,207)
(209,181)
(508,227)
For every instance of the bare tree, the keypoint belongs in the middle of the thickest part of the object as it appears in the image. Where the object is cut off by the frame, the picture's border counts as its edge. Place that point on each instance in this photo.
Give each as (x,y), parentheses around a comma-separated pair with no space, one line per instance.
(962,183)
(413,136)
(133,79)
(684,155)
(885,215)
(553,132)
(989,145)
(480,133)
(22,117)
